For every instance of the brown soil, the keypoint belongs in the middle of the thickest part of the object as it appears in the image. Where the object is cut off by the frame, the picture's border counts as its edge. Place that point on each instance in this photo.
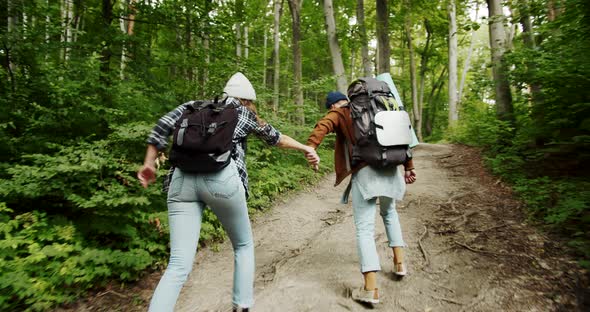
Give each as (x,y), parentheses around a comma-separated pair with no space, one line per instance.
(469,249)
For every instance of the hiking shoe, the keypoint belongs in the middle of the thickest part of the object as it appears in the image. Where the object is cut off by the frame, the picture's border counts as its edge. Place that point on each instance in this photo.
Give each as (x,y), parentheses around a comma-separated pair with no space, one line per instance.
(368,296)
(400,269)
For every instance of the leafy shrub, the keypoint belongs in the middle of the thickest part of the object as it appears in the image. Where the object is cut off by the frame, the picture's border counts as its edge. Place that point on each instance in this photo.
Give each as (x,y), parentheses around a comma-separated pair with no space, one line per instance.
(78,219)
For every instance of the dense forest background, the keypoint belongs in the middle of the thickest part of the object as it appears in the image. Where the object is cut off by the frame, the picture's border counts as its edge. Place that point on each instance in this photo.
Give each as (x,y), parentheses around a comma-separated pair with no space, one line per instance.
(83,81)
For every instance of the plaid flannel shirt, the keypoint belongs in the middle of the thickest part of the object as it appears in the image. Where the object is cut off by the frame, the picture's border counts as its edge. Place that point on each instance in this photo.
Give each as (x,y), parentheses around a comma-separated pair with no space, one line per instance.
(247,124)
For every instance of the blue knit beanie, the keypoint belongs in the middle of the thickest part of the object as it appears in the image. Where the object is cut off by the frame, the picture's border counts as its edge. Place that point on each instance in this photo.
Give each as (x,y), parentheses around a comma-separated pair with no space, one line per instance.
(334,97)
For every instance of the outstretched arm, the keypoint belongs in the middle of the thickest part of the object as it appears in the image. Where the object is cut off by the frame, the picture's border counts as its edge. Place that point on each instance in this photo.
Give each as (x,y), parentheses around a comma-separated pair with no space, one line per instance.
(157,140)
(310,153)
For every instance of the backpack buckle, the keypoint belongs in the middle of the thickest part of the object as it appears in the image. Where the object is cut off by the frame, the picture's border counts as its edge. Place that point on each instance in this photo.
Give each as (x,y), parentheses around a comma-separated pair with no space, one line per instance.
(211,128)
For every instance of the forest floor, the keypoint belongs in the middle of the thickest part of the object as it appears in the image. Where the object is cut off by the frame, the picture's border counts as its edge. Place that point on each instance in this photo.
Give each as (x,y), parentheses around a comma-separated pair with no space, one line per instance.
(470,248)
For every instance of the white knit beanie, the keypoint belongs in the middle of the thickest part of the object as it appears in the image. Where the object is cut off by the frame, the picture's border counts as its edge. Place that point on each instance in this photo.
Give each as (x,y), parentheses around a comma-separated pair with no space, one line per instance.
(239,86)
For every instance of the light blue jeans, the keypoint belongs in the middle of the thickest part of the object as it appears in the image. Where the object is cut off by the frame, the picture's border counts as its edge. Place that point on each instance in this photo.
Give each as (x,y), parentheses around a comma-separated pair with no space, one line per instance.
(364,220)
(188,196)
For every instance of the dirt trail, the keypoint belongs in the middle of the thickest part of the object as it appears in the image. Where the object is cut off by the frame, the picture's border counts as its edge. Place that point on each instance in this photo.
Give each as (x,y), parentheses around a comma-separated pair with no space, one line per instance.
(468,250)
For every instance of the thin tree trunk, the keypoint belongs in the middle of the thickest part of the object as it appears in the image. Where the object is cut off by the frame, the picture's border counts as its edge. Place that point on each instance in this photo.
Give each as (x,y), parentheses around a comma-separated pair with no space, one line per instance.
(206,48)
(424,65)
(238,41)
(246,47)
(467,62)
(264,58)
(510,30)
(504,109)
(77,19)
(128,30)
(188,37)
(123,29)
(295,8)
(239,18)
(276,54)
(352,60)
(437,84)
(11,25)
(453,110)
(383,65)
(436,88)
(337,63)
(207,52)
(47,26)
(412,61)
(360,17)
(106,53)
(66,16)
(528,37)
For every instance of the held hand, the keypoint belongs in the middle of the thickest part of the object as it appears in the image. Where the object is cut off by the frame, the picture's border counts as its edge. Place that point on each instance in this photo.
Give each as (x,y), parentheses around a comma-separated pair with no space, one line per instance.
(410,176)
(146,175)
(312,157)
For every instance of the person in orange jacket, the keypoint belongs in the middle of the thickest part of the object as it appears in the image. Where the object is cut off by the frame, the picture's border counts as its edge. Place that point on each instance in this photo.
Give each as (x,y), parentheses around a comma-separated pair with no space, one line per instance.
(367,185)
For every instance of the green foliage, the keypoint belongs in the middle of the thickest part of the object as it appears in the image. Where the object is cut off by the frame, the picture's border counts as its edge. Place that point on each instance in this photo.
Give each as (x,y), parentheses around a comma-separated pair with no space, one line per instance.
(75,220)
(543,156)
(479,127)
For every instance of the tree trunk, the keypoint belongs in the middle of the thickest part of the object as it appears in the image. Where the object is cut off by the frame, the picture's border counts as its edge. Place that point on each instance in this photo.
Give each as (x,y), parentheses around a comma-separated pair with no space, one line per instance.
(528,38)
(337,63)
(432,109)
(360,17)
(66,17)
(295,8)
(238,41)
(265,45)
(453,110)
(383,65)
(106,53)
(246,47)
(9,22)
(125,28)
(239,18)
(424,65)
(504,109)
(206,49)
(47,26)
(277,67)
(188,38)
(207,52)
(412,61)
(467,62)
(77,19)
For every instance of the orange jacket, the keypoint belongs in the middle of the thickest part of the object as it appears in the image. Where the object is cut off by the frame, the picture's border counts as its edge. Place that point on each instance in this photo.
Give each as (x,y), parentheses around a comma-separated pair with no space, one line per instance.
(338,120)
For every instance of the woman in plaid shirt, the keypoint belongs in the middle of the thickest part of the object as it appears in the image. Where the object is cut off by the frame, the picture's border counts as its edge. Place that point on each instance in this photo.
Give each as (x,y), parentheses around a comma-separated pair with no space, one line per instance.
(225,192)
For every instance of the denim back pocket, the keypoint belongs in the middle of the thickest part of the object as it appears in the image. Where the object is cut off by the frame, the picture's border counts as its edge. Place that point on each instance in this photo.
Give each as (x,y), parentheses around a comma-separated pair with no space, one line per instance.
(176,182)
(225,183)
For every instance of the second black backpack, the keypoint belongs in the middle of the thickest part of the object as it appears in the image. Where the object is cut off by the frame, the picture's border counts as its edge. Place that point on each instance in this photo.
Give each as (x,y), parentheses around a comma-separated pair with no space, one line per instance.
(202,141)
(382,127)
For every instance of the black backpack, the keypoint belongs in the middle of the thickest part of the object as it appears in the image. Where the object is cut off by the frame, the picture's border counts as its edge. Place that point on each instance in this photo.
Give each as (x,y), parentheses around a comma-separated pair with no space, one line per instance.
(382,142)
(202,141)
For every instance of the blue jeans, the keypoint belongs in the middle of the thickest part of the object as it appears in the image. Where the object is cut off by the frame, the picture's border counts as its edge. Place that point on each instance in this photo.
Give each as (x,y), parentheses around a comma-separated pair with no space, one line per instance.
(364,220)
(188,195)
